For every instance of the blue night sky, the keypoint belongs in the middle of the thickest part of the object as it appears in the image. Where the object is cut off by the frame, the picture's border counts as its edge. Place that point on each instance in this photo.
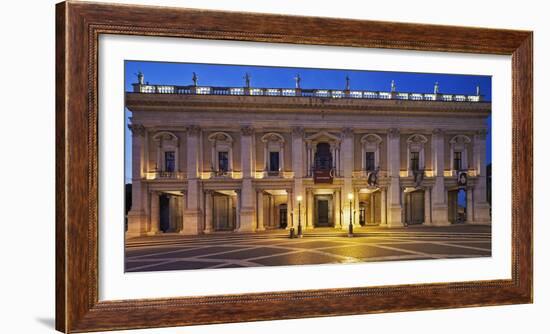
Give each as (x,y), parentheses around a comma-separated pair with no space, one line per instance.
(283,77)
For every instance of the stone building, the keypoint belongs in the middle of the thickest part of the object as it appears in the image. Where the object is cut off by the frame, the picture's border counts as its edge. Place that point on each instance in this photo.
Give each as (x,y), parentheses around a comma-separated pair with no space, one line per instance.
(213,159)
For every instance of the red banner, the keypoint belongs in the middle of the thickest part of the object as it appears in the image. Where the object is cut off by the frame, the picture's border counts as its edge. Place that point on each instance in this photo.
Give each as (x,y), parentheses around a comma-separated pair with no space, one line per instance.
(323,176)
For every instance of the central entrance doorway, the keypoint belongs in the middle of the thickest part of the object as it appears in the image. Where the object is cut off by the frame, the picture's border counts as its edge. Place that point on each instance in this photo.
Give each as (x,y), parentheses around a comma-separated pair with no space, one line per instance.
(323,211)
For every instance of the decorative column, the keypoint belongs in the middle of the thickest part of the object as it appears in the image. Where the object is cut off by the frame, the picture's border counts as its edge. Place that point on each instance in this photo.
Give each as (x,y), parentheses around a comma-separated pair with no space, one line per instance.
(309,208)
(270,211)
(289,215)
(427,205)
(383,207)
(470,206)
(298,168)
(347,162)
(247,222)
(208,207)
(337,208)
(183,208)
(439,202)
(404,205)
(481,212)
(137,217)
(193,213)
(356,208)
(155,213)
(308,159)
(260,210)
(238,209)
(337,159)
(394,201)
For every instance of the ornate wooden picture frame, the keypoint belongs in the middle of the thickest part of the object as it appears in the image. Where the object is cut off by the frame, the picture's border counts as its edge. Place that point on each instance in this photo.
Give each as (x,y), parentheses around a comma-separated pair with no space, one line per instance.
(78,27)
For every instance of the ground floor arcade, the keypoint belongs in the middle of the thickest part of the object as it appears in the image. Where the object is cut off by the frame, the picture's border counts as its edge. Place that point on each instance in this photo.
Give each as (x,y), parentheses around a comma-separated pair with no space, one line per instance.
(218,207)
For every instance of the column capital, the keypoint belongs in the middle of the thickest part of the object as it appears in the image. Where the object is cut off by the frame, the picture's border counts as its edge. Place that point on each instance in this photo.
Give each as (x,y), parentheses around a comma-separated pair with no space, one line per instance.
(183,192)
(347,132)
(298,131)
(137,129)
(481,134)
(437,132)
(247,130)
(393,132)
(193,129)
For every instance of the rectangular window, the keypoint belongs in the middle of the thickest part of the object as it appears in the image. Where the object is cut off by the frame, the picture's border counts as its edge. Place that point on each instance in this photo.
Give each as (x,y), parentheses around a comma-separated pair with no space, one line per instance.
(273,161)
(457,161)
(223,161)
(369,161)
(415,161)
(169,161)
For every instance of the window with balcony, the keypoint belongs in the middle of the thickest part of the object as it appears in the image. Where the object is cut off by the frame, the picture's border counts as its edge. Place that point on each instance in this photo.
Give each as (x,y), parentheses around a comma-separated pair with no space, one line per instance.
(370,148)
(415,161)
(273,161)
(457,161)
(273,153)
(169,161)
(223,161)
(370,163)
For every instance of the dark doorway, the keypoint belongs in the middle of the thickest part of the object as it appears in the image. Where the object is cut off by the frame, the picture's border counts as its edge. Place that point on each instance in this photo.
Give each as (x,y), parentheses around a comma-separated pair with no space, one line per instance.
(223,212)
(283,216)
(323,211)
(164,206)
(414,209)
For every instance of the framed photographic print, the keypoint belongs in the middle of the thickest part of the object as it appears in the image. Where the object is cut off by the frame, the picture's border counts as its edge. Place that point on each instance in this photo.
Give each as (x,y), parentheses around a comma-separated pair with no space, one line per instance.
(221,166)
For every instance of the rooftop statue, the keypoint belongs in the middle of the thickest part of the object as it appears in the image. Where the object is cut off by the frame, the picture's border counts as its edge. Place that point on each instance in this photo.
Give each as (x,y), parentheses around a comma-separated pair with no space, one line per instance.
(298,80)
(436,88)
(140,77)
(247,80)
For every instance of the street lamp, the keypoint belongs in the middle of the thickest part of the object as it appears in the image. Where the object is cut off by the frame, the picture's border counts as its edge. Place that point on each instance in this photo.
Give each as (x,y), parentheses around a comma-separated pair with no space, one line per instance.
(350,227)
(299,199)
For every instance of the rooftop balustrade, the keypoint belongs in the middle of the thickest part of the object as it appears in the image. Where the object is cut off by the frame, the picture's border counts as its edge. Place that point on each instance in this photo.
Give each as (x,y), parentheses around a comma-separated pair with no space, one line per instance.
(302,92)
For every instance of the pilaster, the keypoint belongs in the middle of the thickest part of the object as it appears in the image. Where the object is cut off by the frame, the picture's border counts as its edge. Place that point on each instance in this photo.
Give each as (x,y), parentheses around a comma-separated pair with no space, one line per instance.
(440,214)
(394,201)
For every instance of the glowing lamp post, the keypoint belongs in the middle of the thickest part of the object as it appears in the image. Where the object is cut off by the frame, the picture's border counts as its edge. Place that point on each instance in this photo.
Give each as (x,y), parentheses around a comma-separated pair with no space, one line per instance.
(350,227)
(299,199)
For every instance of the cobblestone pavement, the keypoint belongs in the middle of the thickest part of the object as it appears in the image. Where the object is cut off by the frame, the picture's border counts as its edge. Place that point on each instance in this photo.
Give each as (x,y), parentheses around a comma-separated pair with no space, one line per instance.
(275,248)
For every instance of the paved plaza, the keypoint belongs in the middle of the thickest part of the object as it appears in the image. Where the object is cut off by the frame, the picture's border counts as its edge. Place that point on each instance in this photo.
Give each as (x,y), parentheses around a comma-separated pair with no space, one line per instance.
(319,246)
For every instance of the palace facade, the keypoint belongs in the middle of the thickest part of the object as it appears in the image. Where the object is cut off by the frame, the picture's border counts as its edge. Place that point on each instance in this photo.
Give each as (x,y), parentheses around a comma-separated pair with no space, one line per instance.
(214,159)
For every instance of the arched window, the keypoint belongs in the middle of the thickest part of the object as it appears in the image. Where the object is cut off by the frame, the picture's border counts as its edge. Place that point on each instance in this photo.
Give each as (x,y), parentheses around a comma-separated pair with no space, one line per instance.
(222,153)
(167,151)
(415,153)
(370,148)
(459,145)
(273,153)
